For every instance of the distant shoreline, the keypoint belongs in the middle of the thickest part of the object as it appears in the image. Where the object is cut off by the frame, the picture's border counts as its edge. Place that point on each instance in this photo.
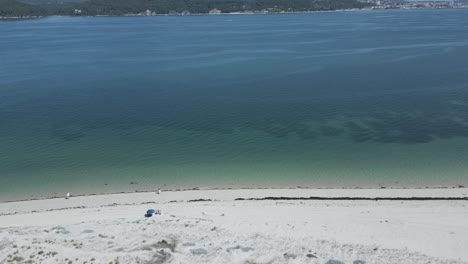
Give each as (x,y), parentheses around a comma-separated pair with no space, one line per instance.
(231,13)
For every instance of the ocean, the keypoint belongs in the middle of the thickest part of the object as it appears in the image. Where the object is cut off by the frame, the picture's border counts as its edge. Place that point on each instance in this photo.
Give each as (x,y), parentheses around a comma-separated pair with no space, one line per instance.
(331,99)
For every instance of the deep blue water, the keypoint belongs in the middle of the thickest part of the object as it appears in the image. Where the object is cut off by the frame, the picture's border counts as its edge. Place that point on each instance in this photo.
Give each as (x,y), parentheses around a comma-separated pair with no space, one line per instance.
(90,104)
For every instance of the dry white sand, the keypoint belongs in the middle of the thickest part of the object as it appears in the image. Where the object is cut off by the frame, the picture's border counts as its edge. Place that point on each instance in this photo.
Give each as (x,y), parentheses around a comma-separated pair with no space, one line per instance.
(112,229)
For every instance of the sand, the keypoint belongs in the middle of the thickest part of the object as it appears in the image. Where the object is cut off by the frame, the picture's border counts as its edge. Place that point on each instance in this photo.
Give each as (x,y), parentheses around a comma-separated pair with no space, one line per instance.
(217,228)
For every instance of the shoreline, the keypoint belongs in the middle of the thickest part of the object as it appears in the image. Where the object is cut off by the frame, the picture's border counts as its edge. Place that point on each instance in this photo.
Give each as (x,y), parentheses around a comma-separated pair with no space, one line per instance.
(199,226)
(238,189)
(232,195)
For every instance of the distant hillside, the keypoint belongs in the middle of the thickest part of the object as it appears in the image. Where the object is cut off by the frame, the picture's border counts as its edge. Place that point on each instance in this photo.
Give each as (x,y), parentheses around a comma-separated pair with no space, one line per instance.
(121,7)
(13,8)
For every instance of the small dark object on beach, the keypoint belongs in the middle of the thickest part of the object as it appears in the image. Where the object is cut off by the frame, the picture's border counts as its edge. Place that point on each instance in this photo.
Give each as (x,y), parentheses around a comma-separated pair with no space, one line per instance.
(311,256)
(199,251)
(150,213)
(289,256)
(359,262)
(332,261)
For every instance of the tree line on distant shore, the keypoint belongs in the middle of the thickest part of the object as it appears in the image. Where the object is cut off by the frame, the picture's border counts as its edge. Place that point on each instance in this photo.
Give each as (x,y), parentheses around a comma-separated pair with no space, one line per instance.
(15,8)
(123,7)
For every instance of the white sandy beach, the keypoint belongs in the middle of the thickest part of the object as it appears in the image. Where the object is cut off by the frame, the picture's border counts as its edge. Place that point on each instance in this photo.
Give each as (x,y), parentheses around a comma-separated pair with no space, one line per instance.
(112,228)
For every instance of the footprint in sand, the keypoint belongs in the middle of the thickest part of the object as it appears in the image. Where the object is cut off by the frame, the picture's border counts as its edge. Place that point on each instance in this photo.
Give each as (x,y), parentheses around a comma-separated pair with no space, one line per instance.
(199,251)
(60,230)
(292,256)
(332,261)
(243,249)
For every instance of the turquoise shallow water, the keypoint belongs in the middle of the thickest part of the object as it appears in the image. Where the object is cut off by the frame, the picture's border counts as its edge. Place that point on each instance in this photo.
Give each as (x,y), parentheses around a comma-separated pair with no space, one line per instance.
(340,99)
